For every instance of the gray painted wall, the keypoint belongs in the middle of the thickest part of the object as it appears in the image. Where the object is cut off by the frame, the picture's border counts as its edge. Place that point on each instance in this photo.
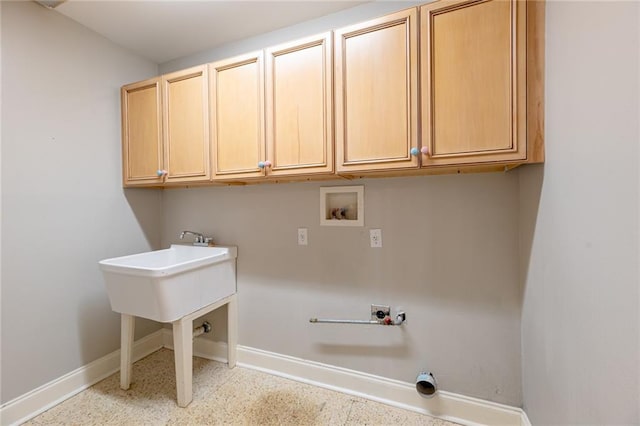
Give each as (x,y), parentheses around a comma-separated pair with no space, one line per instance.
(579,223)
(450,258)
(63,208)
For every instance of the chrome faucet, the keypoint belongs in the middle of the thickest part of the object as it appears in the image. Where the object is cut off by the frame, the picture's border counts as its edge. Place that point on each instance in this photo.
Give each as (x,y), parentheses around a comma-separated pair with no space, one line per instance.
(200,240)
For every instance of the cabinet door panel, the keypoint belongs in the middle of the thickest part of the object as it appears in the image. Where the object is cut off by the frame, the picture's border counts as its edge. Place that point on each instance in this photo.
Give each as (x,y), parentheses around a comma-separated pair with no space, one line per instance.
(299,107)
(474,81)
(237,116)
(141,133)
(376,93)
(186,130)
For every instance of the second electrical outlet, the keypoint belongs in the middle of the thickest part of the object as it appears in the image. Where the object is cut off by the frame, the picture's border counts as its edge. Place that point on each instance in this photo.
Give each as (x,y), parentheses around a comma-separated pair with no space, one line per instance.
(375,235)
(302,237)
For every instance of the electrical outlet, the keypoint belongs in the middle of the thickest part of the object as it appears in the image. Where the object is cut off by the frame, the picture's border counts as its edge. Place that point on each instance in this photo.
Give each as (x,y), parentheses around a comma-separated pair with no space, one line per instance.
(302,237)
(375,236)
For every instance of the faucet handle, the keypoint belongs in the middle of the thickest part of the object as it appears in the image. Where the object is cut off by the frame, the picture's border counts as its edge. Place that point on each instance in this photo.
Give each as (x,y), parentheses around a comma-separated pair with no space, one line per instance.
(203,241)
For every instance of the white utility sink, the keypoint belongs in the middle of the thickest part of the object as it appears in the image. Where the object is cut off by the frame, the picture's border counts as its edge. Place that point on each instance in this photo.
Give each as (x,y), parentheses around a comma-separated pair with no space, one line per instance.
(165,285)
(175,285)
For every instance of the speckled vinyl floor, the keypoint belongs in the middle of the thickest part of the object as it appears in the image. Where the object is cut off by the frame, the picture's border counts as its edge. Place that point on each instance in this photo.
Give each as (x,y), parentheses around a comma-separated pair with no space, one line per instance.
(221,396)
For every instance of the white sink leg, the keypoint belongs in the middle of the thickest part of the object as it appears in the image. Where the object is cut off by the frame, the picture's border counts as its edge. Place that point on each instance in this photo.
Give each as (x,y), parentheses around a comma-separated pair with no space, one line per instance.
(127,326)
(232,330)
(183,352)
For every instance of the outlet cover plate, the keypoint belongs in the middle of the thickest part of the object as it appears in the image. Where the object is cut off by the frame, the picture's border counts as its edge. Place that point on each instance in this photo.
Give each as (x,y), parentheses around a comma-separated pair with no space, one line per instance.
(375,237)
(303,237)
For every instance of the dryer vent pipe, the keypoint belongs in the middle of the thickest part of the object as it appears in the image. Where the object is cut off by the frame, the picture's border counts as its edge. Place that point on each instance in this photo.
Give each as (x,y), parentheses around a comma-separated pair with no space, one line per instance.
(426,384)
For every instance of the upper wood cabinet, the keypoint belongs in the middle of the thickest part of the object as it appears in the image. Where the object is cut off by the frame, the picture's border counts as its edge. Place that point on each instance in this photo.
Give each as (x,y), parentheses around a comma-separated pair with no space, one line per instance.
(165,135)
(376,95)
(474,71)
(299,110)
(186,125)
(142,149)
(237,116)
(347,103)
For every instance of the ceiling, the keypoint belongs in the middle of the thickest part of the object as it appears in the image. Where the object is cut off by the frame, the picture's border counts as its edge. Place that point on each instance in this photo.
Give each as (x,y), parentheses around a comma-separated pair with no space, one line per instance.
(162,30)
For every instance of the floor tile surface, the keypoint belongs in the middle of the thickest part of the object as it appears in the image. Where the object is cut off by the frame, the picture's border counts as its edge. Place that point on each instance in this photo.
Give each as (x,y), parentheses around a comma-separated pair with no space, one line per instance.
(221,396)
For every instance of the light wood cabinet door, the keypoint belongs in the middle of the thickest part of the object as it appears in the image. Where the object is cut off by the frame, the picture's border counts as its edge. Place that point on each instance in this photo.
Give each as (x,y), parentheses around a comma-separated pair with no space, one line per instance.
(186,125)
(237,117)
(299,107)
(376,96)
(142,133)
(474,81)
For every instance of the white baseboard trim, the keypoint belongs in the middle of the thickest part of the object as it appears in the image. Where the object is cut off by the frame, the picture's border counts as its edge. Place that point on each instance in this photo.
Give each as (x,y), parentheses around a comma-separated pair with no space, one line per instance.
(32,403)
(446,405)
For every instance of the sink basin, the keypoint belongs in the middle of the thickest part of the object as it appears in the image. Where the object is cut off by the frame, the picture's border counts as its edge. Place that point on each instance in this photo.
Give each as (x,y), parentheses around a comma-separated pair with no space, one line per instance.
(165,285)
